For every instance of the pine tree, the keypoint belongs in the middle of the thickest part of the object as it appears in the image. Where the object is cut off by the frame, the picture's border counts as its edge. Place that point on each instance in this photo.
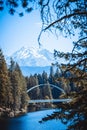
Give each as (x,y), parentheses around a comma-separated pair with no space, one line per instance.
(19,87)
(51,76)
(44,77)
(40,80)
(35,93)
(5,85)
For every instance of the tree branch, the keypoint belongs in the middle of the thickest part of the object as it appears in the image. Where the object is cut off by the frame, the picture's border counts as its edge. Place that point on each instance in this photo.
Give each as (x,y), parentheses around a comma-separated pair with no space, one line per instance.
(65,17)
(76,43)
(76,64)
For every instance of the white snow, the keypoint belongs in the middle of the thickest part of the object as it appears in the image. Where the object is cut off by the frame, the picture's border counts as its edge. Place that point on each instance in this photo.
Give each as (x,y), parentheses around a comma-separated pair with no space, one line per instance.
(32,57)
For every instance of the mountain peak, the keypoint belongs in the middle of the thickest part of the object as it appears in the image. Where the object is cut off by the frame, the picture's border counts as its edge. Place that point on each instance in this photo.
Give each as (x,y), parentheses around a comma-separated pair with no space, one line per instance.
(31,56)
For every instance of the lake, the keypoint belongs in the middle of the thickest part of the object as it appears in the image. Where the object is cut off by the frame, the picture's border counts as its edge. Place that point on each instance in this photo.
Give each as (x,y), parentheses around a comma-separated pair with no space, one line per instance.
(30,121)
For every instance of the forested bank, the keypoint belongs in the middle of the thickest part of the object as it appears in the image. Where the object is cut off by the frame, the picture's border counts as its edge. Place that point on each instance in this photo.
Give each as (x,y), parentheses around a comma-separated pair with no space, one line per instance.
(13,97)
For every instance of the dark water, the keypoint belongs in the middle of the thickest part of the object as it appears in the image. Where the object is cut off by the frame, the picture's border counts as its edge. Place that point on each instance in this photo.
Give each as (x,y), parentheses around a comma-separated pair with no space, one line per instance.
(30,121)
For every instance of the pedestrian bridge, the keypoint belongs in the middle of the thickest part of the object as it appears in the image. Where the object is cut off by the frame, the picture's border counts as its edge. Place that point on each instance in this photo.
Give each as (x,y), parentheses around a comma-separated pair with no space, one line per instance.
(48,100)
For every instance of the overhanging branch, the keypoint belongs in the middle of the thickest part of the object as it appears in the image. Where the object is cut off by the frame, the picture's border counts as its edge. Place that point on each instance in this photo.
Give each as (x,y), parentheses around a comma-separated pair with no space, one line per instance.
(65,17)
(76,43)
(76,64)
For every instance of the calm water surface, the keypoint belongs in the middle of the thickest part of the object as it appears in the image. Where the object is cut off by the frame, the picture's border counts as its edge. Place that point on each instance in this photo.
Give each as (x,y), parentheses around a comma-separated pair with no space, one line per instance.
(30,121)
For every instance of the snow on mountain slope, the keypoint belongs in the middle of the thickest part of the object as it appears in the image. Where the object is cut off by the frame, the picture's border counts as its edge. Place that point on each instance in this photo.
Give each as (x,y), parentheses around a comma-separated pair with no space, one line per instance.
(32,57)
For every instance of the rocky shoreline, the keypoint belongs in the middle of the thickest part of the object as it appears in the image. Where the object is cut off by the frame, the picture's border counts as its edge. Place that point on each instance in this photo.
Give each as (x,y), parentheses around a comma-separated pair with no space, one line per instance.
(7,112)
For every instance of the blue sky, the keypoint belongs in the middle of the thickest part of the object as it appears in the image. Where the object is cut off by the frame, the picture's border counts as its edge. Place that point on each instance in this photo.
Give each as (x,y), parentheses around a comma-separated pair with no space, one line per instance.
(16,32)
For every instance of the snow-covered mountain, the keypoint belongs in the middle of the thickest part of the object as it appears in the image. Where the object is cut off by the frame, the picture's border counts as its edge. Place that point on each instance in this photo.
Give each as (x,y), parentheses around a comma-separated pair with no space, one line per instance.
(32,57)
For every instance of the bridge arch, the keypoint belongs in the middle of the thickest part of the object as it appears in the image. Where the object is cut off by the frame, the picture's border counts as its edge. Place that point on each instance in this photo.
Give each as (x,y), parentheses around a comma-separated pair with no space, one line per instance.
(46,84)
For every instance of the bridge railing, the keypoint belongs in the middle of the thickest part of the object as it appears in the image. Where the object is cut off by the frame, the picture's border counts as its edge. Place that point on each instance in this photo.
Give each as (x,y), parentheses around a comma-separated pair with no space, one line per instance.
(50,100)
